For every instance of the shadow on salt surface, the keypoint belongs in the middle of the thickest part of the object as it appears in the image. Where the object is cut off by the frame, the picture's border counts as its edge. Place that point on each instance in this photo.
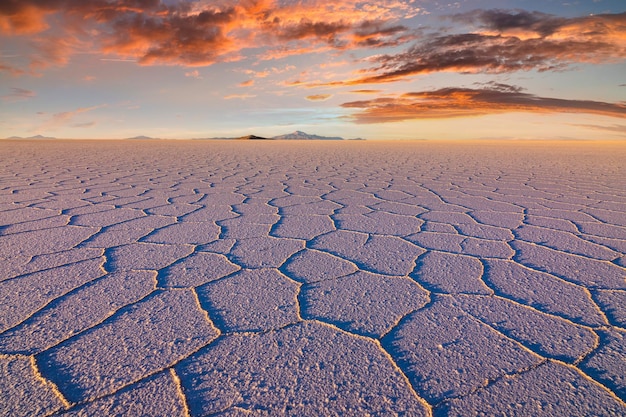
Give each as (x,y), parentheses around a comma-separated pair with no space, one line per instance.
(606,364)
(612,303)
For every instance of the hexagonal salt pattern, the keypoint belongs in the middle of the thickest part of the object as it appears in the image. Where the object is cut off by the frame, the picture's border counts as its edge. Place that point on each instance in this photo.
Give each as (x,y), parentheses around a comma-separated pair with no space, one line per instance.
(347,278)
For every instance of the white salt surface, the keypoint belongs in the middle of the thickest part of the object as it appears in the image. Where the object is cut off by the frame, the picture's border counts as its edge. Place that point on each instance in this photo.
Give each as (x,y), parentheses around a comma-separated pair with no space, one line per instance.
(189,278)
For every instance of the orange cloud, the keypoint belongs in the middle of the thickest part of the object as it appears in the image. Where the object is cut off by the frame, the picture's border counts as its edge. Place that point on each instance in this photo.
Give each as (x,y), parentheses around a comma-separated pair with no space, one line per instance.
(64,118)
(199,33)
(22,18)
(465,102)
(319,97)
(269,71)
(366,91)
(11,69)
(54,50)
(247,83)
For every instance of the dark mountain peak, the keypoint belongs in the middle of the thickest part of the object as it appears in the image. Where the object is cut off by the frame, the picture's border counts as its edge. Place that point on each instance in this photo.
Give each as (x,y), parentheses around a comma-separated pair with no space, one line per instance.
(252,137)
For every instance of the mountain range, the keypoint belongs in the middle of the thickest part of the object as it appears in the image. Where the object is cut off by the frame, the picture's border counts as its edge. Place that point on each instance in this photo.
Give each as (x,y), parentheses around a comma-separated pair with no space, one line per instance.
(31,137)
(297,135)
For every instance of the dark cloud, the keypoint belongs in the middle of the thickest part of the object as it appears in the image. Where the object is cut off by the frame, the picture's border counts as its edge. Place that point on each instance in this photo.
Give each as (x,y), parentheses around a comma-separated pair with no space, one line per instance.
(18,94)
(555,44)
(191,40)
(464,102)
(327,31)
(506,20)
(377,34)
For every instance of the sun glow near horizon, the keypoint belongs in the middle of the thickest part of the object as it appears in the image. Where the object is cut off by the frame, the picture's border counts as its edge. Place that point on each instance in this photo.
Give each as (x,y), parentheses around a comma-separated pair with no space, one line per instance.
(378,70)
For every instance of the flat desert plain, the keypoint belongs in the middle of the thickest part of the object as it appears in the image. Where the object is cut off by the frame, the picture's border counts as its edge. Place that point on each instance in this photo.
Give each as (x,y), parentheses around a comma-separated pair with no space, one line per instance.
(236,278)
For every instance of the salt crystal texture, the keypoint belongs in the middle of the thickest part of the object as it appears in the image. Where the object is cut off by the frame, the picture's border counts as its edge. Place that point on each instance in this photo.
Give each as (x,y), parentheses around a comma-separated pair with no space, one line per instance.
(282,278)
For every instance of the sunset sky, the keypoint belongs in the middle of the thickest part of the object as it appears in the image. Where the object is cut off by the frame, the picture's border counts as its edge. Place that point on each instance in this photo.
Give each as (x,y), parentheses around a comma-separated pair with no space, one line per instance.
(391,69)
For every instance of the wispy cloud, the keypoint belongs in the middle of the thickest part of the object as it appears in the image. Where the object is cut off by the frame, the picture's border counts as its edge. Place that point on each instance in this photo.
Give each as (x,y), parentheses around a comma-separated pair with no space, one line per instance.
(266,72)
(18,94)
(464,102)
(239,96)
(117,60)
(84,125)
(616,128)
(55,50)
(193,74)
(11,69)
(247,83)
(66,118)
(319,97)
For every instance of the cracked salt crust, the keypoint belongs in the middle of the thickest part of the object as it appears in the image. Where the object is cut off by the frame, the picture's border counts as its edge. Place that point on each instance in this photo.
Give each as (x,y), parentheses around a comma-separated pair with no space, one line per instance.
(192,278)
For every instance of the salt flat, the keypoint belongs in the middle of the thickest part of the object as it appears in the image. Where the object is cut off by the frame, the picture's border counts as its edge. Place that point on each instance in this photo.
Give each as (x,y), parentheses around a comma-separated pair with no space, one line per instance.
(165,278)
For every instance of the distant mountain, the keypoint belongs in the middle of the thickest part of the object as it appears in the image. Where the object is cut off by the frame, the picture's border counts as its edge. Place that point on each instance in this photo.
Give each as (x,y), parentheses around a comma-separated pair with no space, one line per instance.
(37,137)
(253,137)
(299,135)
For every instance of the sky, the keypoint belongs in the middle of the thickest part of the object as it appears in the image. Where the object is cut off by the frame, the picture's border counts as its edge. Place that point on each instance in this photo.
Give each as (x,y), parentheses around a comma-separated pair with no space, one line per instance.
(391,69)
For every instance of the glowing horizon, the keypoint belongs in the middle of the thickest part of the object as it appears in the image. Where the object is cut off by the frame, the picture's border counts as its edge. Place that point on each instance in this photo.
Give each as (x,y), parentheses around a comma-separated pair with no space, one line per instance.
(395,69)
